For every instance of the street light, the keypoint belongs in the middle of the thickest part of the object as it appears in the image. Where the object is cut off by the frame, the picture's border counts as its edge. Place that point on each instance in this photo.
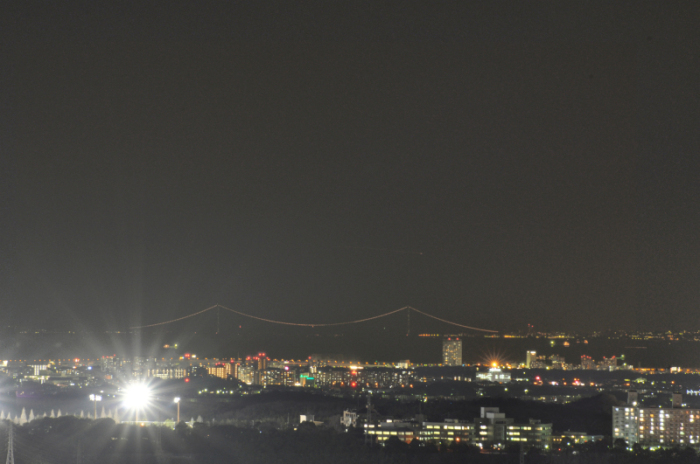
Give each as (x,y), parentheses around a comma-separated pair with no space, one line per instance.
(95,399)
(177,401)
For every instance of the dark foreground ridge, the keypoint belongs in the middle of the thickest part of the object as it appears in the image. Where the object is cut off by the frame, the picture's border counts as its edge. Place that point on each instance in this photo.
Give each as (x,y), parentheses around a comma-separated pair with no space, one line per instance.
(270,437)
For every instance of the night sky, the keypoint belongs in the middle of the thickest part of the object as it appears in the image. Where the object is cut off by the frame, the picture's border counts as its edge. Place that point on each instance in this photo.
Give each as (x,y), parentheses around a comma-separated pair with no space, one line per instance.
(495,165)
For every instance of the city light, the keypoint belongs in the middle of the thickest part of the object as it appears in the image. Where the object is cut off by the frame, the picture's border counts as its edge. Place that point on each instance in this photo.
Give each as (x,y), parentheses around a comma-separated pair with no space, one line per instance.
(95,398)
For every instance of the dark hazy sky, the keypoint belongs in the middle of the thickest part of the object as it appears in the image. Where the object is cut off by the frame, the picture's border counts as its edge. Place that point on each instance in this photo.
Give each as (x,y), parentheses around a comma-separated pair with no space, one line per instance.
(543,158)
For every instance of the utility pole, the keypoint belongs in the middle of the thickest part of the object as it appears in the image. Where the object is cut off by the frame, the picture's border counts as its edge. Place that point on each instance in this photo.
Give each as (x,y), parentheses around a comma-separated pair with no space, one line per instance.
(10,447)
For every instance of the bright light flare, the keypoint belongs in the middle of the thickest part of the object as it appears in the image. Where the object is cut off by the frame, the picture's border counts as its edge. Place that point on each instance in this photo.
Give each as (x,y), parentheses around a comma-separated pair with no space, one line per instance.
(137,396)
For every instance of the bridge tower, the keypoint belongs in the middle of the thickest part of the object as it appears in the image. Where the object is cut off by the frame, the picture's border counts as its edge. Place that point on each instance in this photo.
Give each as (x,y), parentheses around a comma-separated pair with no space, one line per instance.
(408,321)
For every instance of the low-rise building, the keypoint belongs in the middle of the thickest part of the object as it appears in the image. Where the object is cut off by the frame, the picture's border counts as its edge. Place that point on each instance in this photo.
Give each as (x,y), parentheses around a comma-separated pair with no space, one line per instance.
(405,431)
(349,418)
(450,430)
(569,438)
(494,374)
(491,428)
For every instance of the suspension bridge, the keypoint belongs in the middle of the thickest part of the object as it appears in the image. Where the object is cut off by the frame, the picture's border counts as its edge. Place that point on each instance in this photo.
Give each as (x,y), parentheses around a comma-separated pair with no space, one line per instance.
(406,309)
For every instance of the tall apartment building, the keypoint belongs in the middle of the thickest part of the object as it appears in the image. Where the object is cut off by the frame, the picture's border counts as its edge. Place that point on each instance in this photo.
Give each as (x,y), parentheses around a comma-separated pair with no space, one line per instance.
(451,351)
(608,364)
(529,358)
(587,362)
(656,427)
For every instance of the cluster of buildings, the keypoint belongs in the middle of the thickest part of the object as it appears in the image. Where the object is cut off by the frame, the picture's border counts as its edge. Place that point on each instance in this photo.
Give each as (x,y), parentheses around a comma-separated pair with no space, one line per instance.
(261,371)
(656,427)
(62,373)
(258,370)
(371,377)
(555,361)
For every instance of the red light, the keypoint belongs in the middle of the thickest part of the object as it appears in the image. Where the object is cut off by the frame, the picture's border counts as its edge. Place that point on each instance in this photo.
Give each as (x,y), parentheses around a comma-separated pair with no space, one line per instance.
(353,384)
(187,355)
(187,379)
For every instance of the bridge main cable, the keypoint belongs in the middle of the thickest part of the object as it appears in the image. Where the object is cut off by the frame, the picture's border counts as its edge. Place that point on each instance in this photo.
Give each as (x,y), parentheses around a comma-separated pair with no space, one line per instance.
(272,321)
(315,325)
(450,322)
(299,324)
(175,320)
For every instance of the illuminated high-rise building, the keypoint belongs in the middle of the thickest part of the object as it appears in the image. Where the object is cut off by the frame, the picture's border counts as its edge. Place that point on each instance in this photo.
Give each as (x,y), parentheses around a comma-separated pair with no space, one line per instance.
(218,370)
(452,351)
(531,356)
(232,369)
(262,361)
(657,427)
(587,362)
